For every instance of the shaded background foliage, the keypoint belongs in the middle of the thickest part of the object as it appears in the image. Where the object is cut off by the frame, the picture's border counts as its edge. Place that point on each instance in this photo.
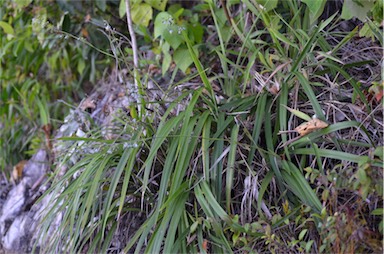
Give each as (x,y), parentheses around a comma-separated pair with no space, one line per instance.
(41,60)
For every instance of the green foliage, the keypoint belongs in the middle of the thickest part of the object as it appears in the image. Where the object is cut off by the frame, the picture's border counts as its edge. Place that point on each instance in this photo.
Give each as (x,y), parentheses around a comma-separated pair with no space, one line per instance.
(142,11)
(357,9)
(21,58)
(227,174)
(316,8)
(169,26)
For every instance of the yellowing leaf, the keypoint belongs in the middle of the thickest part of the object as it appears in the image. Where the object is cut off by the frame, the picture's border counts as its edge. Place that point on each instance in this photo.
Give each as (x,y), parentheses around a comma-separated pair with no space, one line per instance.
(299,114)
(157,4)
(141,14)
(81,66)
(22,3)
(7,27)
(122,10)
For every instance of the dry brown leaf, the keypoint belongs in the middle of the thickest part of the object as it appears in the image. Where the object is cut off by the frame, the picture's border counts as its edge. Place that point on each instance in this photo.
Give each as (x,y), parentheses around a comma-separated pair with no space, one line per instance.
(84,32)
(17,171)
(87,18)
(310,126)
(88,103)
(47,128)
(205,244)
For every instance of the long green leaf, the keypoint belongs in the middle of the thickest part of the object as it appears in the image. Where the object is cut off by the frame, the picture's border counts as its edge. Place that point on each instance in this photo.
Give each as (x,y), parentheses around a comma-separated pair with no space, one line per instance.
(231,165)
(299,60)
(332,154)
(176,211)
(200,69)
(159,138)
(113,185)
(299,186)
(264,185)
(311,95)
(259,118)
(205,146)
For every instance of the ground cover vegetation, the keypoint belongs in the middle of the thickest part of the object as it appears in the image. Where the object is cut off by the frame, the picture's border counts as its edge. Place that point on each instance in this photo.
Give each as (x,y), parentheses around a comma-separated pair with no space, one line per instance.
(252,126)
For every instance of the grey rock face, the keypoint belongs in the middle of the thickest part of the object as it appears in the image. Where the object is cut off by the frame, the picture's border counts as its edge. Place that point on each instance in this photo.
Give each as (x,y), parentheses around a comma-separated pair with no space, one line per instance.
(16,219)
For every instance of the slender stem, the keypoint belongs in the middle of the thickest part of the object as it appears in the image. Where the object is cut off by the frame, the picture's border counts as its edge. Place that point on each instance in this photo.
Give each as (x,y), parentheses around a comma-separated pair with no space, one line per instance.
(132,34)
(134,49)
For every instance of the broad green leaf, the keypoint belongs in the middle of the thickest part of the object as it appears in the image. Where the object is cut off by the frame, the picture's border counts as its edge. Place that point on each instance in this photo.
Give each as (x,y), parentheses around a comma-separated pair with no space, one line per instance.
(268,5)
(366,31)
(172,36)
(356,8)
(379,152)
(22,3)
(182,59)
(197,32)
(175,10)
(28,46)
(66,23)
(162,23)
(302,234)
(8,29)
(141,14)
(167,59)
(316,8)
(81,66)
(122,9)
(101,4)
(372,30)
